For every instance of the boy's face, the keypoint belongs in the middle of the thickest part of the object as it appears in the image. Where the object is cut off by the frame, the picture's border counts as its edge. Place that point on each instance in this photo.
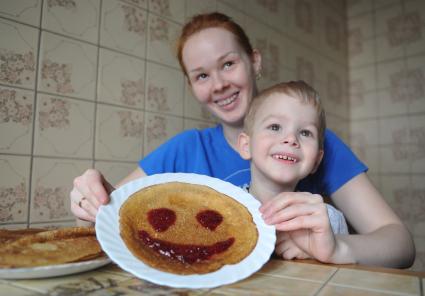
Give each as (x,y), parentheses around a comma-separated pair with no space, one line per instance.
(283,145)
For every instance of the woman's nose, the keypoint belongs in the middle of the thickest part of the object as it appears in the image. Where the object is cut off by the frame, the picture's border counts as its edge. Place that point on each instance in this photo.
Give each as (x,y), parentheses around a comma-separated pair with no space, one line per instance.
(219,82)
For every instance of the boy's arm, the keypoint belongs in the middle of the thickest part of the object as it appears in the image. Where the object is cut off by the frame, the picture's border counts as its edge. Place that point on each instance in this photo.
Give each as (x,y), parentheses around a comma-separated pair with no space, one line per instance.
(388,241)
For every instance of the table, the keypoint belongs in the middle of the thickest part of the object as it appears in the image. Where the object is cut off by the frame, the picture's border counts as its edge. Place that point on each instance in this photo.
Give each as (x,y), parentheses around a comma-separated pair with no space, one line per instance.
(277,277)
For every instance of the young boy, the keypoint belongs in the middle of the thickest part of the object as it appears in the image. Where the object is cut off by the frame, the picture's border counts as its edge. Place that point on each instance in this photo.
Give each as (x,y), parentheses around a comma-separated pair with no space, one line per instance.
(283,137)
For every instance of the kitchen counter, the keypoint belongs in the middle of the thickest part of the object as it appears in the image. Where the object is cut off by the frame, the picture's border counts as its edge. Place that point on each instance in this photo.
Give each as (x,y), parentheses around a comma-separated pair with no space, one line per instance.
(277,277)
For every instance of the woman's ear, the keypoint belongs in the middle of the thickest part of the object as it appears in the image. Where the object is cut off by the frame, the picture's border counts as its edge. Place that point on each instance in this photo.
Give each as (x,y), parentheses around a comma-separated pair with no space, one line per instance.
(256,61)
(318,161)
(243,146)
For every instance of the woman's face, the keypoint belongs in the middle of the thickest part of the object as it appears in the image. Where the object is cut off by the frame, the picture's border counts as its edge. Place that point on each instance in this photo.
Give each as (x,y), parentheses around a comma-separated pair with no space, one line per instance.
(221,74)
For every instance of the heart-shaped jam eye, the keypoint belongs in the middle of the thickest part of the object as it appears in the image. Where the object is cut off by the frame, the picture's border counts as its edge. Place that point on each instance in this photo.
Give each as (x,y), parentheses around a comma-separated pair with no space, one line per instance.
(209,219)
(161,219)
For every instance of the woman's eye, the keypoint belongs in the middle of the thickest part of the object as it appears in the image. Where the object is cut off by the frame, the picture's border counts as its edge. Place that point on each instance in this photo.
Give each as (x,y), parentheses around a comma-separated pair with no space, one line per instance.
(274,127)
(201,76)
(227,65)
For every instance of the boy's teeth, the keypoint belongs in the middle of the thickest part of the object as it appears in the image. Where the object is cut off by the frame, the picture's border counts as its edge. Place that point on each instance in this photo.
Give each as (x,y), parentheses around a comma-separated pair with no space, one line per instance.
(227,101)
(285,157)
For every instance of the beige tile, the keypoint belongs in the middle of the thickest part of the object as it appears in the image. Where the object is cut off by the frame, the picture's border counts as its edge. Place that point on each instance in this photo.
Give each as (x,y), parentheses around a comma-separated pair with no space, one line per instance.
(193,109)
(260,284)
(414,84)
(16,120)
(414,38)
(123,27)
(310,272)
(158,129)
(23,11)
(18,54)
(60,17)
(81,283)
(237,4)
(335,98)
(385,282)
(394,131)
(363,105)
(385,51)
(170,9)
(119,133)
(364,132)
(63,127)
(395,158)
(333,37)
(359,7)
(51,184)
(139,3)
(362,23)
(121,79)
(67,67)
(334,290)
(361,51)
(165,88)
(115,171)
(194,7)
(10,290)
(236,14)
(161,40)
(14,188)
(396,189)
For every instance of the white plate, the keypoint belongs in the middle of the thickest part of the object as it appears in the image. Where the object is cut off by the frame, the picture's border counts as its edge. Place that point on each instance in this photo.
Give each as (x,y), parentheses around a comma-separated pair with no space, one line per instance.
(52,270)
(108,234)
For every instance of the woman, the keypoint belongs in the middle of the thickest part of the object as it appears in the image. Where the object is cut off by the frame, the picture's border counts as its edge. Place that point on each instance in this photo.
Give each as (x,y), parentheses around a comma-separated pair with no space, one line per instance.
(220,65)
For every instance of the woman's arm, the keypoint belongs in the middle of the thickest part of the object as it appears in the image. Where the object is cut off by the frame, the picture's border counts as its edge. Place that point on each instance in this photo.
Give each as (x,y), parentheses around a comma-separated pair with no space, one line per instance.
(382,238)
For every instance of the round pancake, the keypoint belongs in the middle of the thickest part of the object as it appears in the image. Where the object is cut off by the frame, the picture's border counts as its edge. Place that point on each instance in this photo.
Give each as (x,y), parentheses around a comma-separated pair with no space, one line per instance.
(207,230)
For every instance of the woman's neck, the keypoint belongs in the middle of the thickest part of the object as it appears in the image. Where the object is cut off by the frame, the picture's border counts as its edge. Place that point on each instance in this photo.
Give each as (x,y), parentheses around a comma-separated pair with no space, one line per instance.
(231,134)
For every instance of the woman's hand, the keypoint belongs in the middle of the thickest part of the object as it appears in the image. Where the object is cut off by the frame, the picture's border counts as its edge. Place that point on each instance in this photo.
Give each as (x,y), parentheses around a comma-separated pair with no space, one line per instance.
(304,216)
(90,191)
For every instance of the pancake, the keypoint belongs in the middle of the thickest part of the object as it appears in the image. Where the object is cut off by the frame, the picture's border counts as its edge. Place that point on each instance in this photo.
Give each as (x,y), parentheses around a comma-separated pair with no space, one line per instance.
(186,228)
(51,247)
(10,235)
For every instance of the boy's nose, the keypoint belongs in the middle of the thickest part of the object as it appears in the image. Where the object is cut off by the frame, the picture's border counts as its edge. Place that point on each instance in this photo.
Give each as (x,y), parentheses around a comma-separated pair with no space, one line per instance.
(290,139)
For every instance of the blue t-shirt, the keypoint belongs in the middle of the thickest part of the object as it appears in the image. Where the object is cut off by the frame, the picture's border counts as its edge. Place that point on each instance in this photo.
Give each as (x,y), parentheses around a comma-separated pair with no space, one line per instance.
(207,152)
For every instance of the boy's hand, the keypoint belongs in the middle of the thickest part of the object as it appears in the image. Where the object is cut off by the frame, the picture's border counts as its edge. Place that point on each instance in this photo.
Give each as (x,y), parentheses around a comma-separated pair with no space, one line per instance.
(286,248)
(305,216)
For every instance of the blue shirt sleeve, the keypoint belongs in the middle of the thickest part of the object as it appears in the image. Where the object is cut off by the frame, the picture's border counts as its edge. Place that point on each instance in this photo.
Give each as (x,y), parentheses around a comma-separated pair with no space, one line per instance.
(339,165)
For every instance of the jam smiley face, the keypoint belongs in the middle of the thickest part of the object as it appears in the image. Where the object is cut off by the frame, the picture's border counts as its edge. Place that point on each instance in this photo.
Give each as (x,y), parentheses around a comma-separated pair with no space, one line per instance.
(163,218)
(186,228)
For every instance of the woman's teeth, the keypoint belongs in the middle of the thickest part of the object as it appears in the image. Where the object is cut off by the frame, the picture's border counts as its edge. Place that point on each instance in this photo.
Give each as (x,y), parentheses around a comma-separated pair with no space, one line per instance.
(227,101)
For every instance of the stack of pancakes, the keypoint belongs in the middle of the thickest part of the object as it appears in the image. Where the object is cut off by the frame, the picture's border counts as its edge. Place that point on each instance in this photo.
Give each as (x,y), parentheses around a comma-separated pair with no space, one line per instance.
(40,247)
(186,228)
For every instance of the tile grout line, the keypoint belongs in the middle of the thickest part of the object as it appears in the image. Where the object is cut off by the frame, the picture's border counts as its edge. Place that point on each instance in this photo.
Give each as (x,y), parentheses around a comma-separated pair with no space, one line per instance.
(326,282)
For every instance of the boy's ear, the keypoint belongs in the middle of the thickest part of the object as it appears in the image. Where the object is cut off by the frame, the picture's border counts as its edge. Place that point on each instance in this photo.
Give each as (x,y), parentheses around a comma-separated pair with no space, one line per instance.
(243,146)
(318,161)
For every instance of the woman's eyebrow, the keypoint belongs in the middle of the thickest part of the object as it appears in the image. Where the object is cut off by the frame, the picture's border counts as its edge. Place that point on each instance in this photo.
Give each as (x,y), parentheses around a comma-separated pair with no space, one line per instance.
(222,57)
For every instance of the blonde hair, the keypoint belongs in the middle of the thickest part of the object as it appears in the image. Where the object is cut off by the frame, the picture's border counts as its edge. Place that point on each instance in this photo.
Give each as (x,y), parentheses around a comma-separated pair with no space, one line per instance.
(211,20)
(296,89)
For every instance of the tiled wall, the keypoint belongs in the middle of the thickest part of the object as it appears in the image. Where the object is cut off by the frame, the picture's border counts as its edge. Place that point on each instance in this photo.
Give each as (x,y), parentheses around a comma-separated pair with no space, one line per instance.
(387,103)
(94,83)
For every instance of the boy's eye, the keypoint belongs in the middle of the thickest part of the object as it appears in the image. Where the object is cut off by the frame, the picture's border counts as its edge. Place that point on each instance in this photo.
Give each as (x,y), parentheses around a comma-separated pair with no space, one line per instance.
(306,133)
(274,127)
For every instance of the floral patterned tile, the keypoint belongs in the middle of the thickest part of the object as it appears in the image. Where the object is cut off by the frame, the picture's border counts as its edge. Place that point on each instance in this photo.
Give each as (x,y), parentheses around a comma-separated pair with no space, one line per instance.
(51,184)
(161,39)
(139,3)
(16,117)
(18,54)
(165,88)
(172,9)
(159,128)
(63,127)
(76,284)
(123,27)
(54,225)
(121,79)
(194,7)
(196,124)
(60,16)
(114,172)
(413,83)
(119,133)
(14,187)
(23,11)
(67,67)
